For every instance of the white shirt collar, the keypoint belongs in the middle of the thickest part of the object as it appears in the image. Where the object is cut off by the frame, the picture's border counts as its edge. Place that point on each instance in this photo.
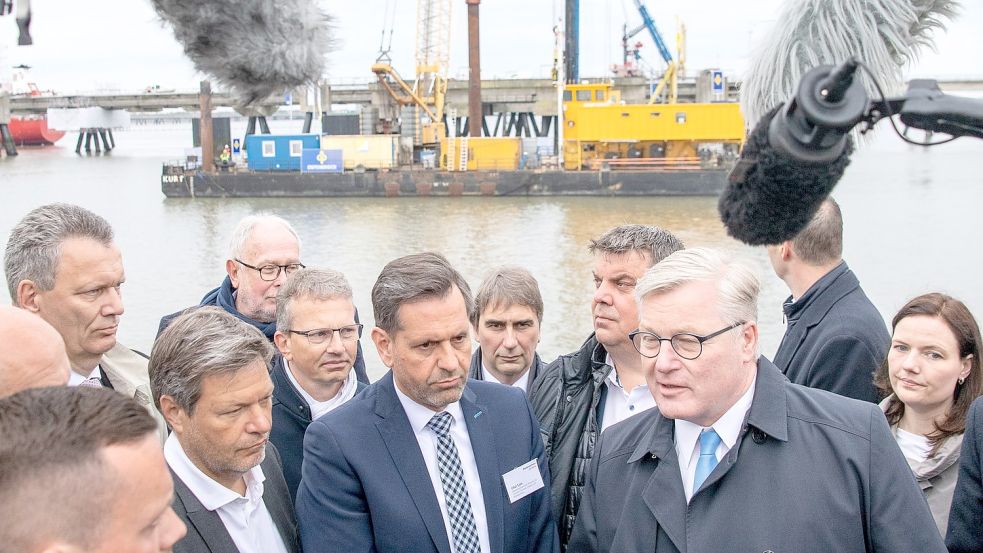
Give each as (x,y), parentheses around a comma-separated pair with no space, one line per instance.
(318,408)
(522,383)
(74,378)
(728,427)
(212,495)
(419,415)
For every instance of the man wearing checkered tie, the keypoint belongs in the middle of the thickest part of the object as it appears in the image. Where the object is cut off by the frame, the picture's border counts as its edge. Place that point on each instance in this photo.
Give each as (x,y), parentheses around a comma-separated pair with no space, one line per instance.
(425,460)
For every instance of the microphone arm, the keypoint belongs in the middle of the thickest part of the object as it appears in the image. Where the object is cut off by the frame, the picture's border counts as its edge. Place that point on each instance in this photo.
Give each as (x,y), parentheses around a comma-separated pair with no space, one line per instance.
(924,106)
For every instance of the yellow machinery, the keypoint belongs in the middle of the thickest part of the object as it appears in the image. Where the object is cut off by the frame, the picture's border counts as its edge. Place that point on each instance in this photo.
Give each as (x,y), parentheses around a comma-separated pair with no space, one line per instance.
(428,91)
(598,128)
(486,153)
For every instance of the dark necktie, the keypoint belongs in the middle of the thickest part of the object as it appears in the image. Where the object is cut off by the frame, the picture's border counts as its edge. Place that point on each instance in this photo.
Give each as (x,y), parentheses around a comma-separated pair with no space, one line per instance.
(465,533)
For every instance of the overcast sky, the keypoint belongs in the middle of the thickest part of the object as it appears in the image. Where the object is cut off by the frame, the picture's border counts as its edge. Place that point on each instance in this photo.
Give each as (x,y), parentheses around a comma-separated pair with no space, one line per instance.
(121,45)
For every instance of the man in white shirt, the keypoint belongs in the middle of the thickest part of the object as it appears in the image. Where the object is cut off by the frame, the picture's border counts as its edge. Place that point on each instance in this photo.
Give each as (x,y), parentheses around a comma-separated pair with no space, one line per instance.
(735,457)
(580,394)
(209,377)
(63,265)
(507,321)
(425,460)
(317,336)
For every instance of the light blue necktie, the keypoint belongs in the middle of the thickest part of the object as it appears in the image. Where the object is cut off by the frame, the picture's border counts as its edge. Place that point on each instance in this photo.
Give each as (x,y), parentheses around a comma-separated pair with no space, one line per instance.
(709,440)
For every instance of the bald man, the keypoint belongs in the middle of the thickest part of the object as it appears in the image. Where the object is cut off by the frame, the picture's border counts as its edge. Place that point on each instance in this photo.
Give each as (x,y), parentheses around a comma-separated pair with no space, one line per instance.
(32,352)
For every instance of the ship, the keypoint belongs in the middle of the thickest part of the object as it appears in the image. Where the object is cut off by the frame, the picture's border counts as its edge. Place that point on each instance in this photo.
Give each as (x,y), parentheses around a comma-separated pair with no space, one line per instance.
(33,131)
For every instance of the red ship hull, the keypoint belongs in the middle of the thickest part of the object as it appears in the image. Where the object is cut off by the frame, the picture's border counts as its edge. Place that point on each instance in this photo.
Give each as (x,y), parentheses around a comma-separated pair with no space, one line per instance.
(33,132)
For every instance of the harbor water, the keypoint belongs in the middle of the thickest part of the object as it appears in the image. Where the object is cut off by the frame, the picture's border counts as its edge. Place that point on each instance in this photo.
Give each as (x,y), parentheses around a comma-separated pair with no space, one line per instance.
(912,225)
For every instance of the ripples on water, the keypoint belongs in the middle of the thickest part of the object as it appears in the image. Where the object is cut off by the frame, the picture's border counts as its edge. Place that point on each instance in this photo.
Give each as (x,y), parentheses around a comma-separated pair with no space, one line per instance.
(912,225)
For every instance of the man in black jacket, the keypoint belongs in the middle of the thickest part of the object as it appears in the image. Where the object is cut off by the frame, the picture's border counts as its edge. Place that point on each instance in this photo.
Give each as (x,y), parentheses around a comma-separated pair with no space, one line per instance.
(507,321)
(318,338)
(582,393)
(835,337)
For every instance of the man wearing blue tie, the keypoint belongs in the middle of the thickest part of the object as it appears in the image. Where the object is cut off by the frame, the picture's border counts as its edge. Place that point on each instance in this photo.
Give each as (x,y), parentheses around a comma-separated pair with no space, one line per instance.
(735,457)
(425,460)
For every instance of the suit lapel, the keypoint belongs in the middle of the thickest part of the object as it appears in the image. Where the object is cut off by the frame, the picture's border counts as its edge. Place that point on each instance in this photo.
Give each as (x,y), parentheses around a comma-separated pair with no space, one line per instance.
(489,471)
(664,495)
(405,452)
(206,523)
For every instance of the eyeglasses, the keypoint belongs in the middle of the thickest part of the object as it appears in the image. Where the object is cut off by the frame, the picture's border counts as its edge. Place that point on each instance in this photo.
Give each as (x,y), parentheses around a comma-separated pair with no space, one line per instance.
(348,333)
(686,345)
(270,272)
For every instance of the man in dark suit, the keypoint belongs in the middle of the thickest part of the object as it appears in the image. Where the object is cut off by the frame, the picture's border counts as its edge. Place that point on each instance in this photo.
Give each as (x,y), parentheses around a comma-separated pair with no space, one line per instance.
(966,515)
(735,457)
(425,458)
(835,338)
(317,336)
(209,377)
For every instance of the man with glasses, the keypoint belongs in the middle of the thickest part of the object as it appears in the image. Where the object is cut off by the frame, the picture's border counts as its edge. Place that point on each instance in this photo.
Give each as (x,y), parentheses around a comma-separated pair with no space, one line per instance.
(263,252)
(318,340)
(735,457)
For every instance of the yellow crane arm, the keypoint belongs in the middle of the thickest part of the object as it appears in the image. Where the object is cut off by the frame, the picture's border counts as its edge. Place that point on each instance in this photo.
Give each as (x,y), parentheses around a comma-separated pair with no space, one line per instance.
(405,95)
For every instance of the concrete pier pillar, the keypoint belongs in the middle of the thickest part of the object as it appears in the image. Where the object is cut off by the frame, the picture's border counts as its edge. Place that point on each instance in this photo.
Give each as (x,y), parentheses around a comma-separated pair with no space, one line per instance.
(88,140)
(112,141)
(78,145)
(263,127)
(308,118)
(207,137)
(7,139)
(105,140)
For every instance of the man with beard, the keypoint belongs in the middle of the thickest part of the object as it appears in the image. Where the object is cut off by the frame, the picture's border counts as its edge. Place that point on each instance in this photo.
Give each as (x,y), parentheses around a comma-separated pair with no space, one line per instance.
(425,460)
(602,383)
(208,373)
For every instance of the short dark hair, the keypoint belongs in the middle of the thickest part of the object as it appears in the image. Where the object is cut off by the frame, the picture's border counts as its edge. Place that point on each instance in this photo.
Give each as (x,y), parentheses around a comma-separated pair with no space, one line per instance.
(53,470)
(414,278)
(656,243)
(821,241)
(960,321)
(199,343)
(505,286)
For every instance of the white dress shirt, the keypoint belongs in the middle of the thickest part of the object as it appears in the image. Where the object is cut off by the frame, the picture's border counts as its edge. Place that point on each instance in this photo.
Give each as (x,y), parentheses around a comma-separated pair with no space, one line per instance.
(728,427)
(318,408)
(522,383)
(74,378)
(419,416)
(620,404)
(245,517)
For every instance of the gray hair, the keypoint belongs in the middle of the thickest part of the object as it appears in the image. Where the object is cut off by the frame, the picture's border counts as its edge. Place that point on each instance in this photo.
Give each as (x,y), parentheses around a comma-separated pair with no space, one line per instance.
(243,230)
(414,278)
(313,284)
(202,342)
(737,284)
(34,246)
(821,242)
(655,242)
(508,285)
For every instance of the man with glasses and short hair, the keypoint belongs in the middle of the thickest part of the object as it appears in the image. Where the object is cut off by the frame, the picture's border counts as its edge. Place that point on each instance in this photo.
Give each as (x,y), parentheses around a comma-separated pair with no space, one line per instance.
(263,252)
(318,340)
(735,457)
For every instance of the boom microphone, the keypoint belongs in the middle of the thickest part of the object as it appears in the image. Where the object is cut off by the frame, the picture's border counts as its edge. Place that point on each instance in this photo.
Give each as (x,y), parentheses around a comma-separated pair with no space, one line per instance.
(793,158)
(255,47)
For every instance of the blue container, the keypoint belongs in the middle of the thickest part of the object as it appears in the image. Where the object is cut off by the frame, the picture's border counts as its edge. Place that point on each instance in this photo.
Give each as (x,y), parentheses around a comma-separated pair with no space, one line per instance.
(278,152)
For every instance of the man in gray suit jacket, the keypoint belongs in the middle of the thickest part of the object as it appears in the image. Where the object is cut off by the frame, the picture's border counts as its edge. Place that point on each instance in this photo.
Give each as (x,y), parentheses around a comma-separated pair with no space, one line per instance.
(209,377)
(735,457)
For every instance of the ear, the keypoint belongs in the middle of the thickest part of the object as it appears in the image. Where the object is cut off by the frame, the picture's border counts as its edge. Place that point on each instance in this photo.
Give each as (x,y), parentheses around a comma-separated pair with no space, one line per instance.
(384,345)
(749,342)
(283,344)
(232,268)
(28,296)
(967,366)
(785,249)
(173,414)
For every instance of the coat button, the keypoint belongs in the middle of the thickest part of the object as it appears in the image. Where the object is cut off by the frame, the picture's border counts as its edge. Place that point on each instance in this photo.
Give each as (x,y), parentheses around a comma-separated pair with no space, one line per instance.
(569,399)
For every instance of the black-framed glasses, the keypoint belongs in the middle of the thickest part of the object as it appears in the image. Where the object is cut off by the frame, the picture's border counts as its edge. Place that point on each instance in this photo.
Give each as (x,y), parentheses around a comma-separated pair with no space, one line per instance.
(348,333)
(271,271)
(686,345)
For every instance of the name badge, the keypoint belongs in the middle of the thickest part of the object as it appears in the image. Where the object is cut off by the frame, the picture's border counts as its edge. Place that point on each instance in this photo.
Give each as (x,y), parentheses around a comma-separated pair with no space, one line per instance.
(522,481)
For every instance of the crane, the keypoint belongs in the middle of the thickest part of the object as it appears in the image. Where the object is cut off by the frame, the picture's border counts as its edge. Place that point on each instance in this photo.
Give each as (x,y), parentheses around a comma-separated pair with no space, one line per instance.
(674,68)
(429,89)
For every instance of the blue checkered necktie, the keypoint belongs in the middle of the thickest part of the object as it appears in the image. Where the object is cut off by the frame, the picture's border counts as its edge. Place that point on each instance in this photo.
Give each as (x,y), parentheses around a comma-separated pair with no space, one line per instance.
(709,440)
(465,533)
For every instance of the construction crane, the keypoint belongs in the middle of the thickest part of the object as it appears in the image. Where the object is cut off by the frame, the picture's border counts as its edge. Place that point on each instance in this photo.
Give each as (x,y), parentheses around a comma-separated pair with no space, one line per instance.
(429,89)
(674,67)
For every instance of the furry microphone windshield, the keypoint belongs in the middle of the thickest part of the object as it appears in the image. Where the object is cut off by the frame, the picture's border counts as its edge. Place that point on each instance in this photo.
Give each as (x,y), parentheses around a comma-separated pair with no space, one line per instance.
(884,34)
(255,47)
